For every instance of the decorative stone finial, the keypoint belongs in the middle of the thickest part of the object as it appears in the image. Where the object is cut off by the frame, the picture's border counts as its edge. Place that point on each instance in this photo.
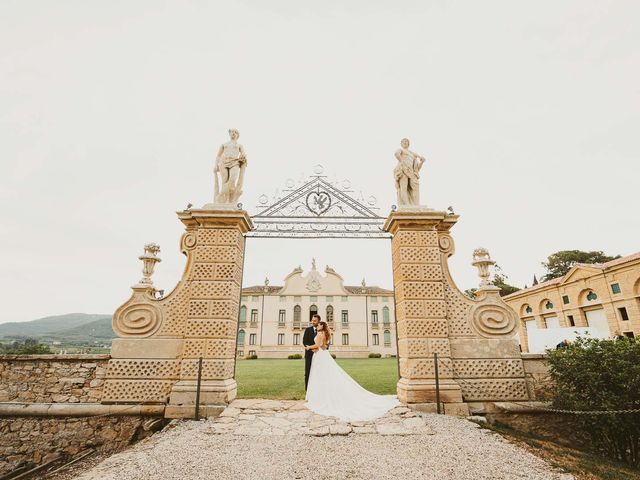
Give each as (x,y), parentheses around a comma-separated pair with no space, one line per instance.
(149,260)
(313,264)
(482,261)
(266,281)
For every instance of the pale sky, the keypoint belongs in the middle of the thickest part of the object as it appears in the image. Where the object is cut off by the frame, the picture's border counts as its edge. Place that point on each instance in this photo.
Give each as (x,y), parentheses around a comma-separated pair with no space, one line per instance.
(111,114)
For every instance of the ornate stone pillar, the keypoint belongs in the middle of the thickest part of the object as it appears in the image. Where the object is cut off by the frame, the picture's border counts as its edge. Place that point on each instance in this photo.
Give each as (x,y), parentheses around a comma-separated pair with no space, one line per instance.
(215,242)
(421,306)
(155,360)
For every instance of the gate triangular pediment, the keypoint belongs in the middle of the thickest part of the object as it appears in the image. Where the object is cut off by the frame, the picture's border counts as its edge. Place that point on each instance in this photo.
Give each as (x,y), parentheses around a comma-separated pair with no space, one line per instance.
(318,208)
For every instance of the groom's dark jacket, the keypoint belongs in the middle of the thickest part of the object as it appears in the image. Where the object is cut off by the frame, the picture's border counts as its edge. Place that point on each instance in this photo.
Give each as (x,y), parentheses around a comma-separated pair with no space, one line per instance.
(309,338)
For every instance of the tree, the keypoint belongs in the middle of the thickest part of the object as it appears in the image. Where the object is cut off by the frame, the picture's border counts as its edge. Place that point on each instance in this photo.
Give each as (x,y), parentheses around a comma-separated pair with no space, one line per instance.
(28,347)
(601,375)
(559,263)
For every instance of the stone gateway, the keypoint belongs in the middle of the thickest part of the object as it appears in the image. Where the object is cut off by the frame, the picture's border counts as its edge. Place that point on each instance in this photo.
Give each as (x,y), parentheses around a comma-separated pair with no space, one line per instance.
(155,360)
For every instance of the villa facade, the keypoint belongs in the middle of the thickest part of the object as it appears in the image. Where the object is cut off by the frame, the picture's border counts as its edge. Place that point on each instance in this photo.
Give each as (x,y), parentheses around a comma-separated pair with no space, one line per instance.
(601,300)
(273,318)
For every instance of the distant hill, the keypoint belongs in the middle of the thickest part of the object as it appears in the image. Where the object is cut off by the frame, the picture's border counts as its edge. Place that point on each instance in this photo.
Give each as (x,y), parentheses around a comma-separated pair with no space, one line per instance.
(71,328)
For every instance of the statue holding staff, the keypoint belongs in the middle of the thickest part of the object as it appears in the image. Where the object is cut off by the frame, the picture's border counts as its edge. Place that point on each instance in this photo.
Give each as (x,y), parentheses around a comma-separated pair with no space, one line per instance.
(407,176)
(228,171)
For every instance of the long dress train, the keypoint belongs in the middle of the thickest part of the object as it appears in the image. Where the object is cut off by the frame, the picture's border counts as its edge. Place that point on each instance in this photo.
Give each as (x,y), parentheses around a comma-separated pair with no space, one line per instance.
(333,393)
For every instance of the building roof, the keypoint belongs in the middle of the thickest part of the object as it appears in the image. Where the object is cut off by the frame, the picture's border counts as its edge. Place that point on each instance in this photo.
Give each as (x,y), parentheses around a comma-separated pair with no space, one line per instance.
(273,290)
(600,266)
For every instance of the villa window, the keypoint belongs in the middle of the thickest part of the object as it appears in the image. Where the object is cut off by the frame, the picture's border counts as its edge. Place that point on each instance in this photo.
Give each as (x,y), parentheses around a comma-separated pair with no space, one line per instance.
(387,338)
(244,298)
(281,339)
(282,315)
(313,298)
(255,298)
(385,315)
(624,316)
(241,353)
(254,315)
(374,316)
(252,353)
(345,339)
(297,298)
(615,287)
(591,296)
(328,298)
(283,298)
(297,313)
(243,314)
(374,299)
(329,313)
(252,339)
(376,339)
(385,299)
(344,298)
(572,322)
(345,316)
(565,299)
(296,339)
(241,337)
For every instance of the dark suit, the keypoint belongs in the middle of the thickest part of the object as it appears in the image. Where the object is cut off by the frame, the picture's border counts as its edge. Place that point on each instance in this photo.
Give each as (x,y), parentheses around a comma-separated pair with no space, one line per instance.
(309,338)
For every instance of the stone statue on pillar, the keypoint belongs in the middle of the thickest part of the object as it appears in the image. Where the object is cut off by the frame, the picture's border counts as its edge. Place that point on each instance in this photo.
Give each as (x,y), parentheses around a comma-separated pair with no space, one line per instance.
(407,176)
(231,162)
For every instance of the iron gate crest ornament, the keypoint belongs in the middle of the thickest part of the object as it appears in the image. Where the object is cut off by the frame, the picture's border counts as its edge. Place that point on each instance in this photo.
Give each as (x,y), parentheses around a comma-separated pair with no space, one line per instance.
(318,208)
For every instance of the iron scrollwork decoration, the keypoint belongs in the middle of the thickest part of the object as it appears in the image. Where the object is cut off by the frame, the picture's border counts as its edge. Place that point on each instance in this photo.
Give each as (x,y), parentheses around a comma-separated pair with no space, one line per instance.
(318,208)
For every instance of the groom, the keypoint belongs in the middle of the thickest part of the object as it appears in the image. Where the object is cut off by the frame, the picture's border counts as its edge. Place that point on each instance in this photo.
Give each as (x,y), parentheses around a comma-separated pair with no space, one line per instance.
(309,338)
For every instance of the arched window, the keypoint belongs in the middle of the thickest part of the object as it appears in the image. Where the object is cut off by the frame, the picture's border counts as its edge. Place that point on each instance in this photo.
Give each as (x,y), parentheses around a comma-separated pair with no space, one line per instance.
(548,305)
(297,313)
(591,296)
(243,314)
(387,337)
(241,337)
(528,309)
(329,313)
(385,315)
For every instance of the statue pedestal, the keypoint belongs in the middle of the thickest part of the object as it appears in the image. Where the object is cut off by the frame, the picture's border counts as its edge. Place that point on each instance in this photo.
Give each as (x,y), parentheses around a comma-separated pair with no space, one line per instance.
(420,246)
(215,245)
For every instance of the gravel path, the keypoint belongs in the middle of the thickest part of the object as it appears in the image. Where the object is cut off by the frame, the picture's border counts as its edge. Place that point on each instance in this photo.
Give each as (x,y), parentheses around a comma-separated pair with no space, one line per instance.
(282,440)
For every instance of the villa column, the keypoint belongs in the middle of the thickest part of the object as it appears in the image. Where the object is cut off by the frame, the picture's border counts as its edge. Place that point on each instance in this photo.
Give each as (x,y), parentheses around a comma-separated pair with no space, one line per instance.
(421,306)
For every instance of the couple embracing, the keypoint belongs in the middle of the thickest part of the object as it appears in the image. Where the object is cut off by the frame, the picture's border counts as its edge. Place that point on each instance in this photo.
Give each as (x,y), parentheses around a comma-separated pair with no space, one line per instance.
(330,390)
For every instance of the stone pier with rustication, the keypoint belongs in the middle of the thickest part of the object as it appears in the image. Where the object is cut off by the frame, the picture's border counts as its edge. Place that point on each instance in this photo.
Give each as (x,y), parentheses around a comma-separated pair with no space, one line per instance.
(156,358)
(479,358)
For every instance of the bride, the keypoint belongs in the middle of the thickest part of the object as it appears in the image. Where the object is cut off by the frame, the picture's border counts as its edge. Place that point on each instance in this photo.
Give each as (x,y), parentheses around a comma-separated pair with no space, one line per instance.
(333,393)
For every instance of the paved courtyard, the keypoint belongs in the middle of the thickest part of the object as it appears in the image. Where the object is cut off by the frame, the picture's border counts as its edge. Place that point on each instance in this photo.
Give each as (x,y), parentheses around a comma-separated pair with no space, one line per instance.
(266,439)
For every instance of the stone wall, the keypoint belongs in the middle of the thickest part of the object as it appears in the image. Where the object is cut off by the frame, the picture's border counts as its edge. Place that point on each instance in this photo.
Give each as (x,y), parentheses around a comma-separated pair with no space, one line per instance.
(52,378)
(37,440)
(536,374)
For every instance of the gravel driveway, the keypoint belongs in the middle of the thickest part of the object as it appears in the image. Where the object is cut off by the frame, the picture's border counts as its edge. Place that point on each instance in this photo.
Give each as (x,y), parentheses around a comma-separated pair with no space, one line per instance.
(256,439)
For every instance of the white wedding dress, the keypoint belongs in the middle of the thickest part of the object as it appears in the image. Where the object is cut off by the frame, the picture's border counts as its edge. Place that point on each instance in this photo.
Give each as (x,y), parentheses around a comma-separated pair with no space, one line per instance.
(333,393)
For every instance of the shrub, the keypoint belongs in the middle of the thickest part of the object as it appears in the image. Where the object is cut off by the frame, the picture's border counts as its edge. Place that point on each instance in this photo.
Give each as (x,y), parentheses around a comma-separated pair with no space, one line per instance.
(295,356)
(374,355)
(252,357)
(333,355)
(592,374)
(28,347)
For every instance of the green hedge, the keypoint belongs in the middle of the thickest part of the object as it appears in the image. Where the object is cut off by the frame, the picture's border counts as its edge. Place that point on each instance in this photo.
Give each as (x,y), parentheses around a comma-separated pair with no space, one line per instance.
(601,375)
(375,355)
(295,356)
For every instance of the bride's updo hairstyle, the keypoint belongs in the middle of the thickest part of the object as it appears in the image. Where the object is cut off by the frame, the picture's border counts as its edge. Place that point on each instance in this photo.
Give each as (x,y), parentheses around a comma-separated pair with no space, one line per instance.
(327,331)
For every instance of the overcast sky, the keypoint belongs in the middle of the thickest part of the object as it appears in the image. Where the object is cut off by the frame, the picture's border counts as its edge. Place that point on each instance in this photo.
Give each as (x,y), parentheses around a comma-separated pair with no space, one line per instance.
(111,114)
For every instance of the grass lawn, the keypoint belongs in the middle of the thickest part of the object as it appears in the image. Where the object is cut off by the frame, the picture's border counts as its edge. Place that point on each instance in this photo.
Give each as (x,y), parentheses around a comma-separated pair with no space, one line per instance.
(283,379)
